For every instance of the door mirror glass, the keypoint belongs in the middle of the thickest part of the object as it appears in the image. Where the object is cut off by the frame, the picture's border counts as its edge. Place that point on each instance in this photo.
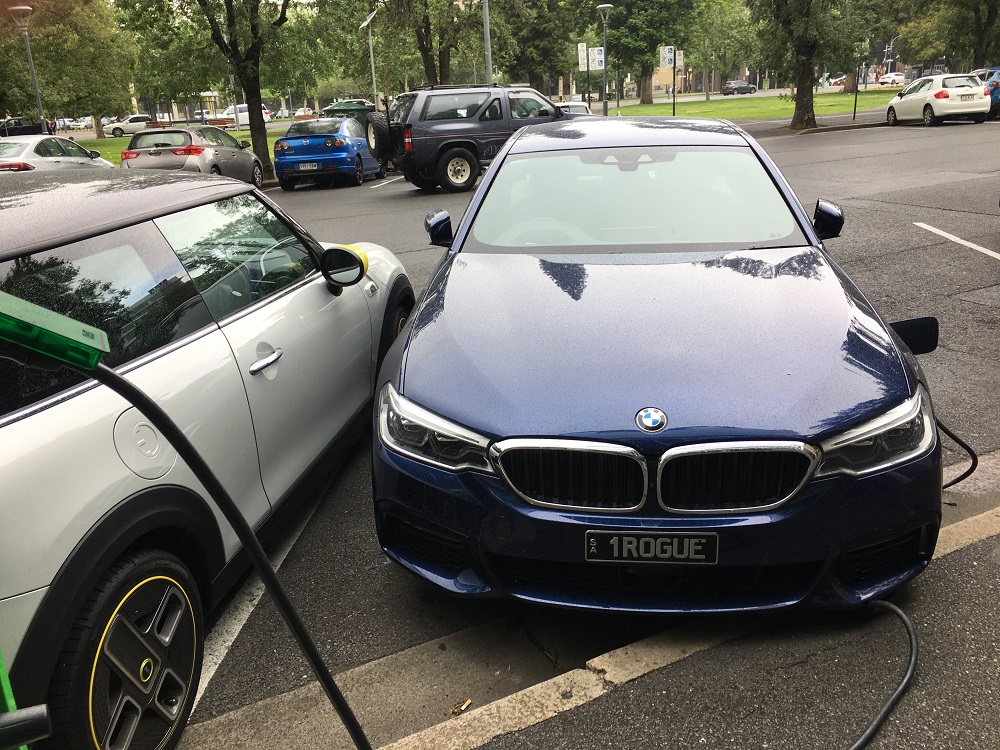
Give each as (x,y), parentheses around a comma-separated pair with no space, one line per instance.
(919,334)
(94,154)
(343,265)
(828,219)
(244,144)
(438,226)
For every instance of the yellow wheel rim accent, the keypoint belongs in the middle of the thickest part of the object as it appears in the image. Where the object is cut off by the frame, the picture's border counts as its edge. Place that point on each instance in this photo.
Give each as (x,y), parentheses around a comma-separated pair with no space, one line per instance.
(100,648)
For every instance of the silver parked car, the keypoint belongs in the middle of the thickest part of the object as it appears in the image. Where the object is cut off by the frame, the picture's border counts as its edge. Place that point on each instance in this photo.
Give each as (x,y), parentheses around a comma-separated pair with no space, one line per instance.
(26,153)
(128,125)
(260,343)
(193,149)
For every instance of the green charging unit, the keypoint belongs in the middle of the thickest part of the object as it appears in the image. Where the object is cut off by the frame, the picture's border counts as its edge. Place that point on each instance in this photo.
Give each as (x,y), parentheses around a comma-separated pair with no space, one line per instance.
(6,693)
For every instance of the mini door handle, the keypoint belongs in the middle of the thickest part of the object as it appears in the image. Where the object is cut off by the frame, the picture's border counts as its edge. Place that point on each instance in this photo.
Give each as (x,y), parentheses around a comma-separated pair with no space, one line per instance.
(262,364)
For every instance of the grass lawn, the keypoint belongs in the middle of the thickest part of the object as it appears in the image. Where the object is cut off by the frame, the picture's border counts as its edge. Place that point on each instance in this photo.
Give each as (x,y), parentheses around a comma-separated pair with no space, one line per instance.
(111,148)
(761,107)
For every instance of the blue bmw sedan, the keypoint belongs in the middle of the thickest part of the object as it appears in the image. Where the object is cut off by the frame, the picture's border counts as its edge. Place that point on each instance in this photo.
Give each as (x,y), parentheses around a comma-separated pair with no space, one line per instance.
(637,382)
(320,150)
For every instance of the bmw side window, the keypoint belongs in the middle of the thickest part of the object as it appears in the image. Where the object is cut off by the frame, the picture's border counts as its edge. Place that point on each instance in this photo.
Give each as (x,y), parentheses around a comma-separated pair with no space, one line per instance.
(237,251)
(492,112)
(128,283)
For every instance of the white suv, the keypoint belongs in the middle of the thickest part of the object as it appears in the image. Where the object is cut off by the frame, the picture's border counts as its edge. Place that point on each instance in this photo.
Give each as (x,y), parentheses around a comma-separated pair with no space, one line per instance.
(241,115)
(128,126)
(228,314)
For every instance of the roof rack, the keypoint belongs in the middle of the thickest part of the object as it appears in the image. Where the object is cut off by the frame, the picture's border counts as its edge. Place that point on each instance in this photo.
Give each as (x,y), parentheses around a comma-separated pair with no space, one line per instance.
(459,86)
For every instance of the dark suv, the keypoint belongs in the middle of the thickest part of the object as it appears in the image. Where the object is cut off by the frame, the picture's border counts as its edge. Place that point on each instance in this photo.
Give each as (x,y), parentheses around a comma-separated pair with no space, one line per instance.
(443,135)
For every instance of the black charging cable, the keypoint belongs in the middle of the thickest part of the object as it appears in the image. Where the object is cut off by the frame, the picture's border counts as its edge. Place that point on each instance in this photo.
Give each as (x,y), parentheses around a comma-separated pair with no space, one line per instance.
(176,437)
(964,446)
(904,684)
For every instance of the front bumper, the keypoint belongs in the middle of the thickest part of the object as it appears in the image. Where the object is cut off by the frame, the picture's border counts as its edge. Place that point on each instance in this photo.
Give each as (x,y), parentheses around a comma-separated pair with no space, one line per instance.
(839,543)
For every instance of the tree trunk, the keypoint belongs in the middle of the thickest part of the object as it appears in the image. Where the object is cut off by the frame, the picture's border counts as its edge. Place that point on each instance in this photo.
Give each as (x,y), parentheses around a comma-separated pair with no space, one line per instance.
(850,83)
(444,62)
(704,84)
(98,127)
(646,83)
(425,45)
(250,82)
(984,37)
(804,116)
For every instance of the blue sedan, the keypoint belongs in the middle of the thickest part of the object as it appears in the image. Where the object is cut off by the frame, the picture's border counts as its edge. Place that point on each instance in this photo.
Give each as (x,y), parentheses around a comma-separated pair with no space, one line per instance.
(322,149)
(637,382)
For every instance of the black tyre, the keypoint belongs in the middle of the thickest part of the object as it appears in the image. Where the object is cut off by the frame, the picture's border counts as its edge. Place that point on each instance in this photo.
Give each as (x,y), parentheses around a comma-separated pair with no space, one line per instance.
(358,177)
(129,670)
(929,119)
(286,184)
(753,89)
(216,170)
(979,118)
(458,170)
(381,171)
(420,178)
(396,316)
(117,132)
(379,136)
(257,178)
(890,116)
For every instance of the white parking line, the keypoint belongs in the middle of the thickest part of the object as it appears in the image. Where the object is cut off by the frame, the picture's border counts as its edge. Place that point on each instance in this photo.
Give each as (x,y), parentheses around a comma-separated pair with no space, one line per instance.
(959,240)
(384,182)
(220,638)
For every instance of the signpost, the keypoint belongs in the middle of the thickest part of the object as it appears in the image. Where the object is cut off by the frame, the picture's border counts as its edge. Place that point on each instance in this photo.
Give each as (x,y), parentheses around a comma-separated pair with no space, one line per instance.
(667,61)
(581,50)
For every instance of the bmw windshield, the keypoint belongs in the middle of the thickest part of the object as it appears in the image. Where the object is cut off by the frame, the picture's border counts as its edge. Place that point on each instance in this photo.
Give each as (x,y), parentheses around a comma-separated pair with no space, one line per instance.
(650,199)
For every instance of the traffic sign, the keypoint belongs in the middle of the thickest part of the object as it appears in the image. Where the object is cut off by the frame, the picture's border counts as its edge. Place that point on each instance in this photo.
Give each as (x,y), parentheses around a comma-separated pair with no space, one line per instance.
(597,58)
(680,58)
(581,51)
(667,57)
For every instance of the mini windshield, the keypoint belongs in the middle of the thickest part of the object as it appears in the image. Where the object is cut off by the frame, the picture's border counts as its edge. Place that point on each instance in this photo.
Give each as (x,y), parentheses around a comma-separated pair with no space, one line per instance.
(635,199)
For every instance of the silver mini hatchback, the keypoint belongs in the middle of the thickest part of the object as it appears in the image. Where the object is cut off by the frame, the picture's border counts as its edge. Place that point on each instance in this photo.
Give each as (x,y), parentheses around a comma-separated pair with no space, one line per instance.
(112,552)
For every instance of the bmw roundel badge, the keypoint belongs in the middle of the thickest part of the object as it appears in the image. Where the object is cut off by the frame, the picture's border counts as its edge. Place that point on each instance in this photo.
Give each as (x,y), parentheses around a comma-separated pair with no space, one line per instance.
(651,419)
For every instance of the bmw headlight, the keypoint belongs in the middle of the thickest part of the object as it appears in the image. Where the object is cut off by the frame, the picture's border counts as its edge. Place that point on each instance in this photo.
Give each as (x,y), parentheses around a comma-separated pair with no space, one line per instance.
(902,433)
(421,434)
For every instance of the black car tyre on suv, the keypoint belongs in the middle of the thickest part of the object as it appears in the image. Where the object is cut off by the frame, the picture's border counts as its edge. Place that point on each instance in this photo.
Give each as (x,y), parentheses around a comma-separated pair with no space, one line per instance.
(458,170)
(379,137)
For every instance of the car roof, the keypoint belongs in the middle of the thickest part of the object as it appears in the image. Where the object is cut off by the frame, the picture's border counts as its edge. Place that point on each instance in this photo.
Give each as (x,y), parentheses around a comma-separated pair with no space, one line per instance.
(29,138)
(39,210)
(587,132)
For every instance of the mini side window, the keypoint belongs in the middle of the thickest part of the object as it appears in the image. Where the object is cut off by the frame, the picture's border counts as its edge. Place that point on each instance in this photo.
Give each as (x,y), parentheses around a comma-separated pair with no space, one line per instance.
(128,283)
(237,251)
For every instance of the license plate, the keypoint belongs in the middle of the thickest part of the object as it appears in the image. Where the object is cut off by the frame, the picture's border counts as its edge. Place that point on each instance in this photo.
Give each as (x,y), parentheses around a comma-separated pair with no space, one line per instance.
(308,165)
(968,97)
(652,547)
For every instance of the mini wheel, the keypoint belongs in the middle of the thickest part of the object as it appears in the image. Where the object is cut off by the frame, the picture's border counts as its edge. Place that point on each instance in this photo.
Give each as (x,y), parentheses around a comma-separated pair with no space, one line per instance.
(129,670)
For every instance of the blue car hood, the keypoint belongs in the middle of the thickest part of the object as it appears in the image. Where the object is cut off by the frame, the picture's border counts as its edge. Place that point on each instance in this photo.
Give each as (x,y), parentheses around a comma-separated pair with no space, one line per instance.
(770,343)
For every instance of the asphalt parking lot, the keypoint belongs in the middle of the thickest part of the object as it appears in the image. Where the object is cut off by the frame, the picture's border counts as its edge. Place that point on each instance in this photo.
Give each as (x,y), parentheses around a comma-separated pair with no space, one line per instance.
(922,237)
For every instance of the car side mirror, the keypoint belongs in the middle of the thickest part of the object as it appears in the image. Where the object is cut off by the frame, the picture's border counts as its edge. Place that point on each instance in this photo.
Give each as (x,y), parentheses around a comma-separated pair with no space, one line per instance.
(94,154)
(244,144)
(342,266)
(919,334)
(560,112)
(438,226)
(828,219)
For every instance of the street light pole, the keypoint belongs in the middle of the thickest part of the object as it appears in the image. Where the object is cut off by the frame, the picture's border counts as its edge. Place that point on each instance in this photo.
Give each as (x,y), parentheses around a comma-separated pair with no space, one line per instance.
(486,40)
(605,10)
(371,53)
(21,15)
